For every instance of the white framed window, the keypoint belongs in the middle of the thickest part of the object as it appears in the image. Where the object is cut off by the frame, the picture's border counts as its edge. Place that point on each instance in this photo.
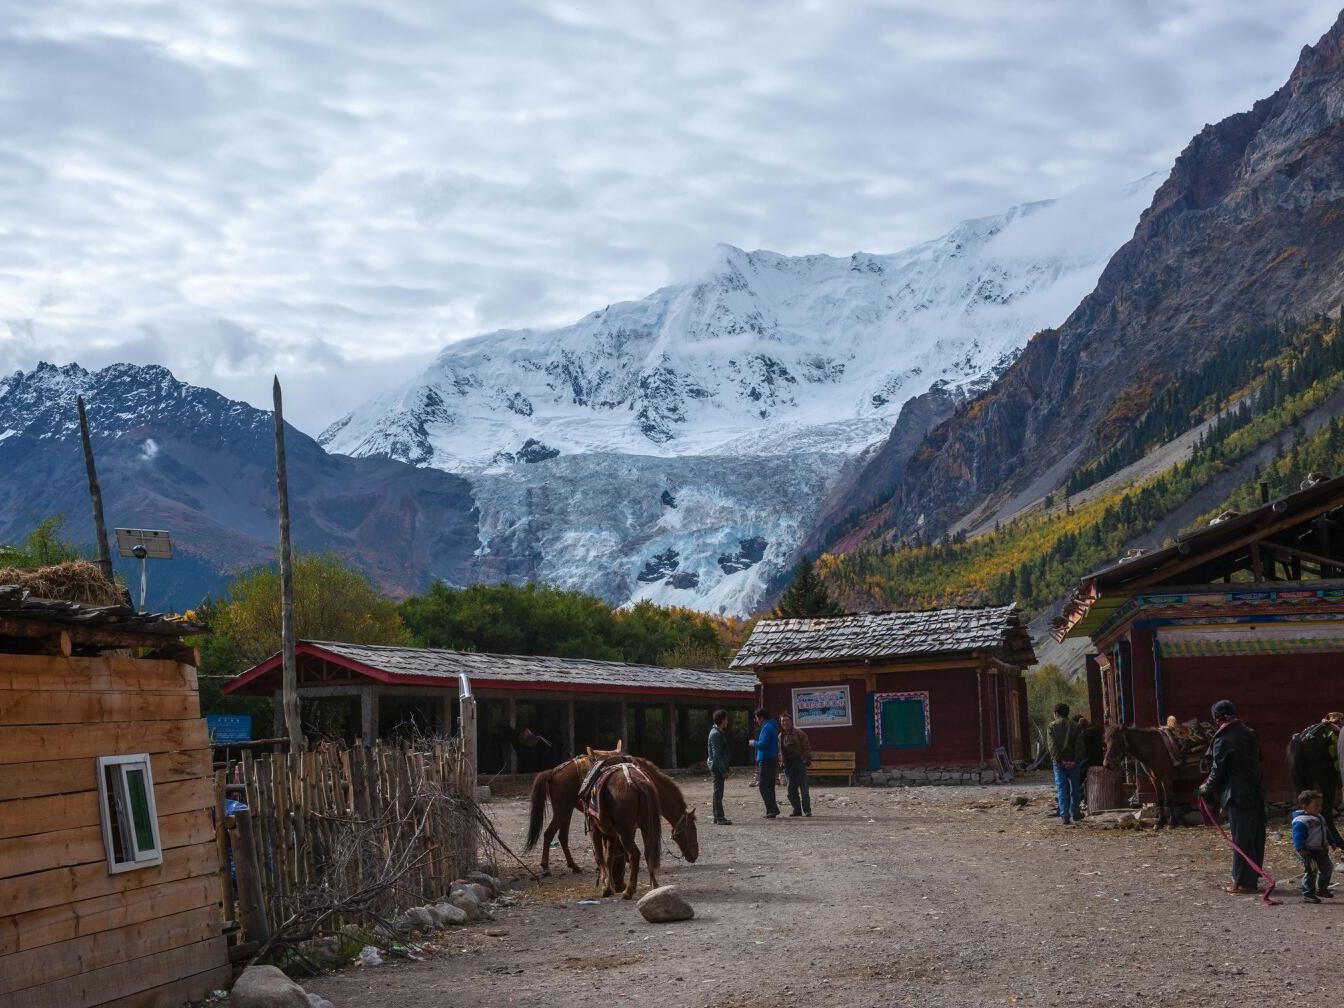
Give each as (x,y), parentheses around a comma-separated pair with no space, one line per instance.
(130,821)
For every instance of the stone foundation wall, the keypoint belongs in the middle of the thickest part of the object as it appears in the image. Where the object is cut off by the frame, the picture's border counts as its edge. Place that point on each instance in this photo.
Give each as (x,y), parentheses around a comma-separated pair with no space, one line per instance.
(923,776)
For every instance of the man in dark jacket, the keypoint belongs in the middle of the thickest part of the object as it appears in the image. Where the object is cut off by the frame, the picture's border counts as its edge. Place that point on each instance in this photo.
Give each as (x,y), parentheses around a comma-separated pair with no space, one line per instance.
(1065,744)
(1235,781)
(718,763)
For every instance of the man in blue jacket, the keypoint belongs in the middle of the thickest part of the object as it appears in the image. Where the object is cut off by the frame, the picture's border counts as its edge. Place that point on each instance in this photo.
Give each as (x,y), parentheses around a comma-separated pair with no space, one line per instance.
(766,744)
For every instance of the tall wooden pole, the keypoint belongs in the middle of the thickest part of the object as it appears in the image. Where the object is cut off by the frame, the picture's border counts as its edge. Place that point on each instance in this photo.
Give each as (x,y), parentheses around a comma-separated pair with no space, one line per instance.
(95,494)
(290,683)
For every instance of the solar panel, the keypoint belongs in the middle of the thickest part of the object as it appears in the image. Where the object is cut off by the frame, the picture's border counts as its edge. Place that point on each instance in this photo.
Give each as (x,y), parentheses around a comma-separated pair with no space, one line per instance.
(158,544)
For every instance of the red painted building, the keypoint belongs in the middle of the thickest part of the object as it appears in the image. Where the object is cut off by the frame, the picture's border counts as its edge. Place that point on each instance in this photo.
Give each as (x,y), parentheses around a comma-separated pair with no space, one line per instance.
(1250,609)
(939,688)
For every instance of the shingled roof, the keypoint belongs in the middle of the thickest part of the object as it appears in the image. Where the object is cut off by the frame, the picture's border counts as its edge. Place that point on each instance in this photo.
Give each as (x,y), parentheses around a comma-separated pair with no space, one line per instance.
(998,631)
(440,667)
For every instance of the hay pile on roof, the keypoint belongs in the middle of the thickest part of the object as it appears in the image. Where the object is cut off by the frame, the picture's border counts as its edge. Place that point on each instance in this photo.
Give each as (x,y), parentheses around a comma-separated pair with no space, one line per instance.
(75,581)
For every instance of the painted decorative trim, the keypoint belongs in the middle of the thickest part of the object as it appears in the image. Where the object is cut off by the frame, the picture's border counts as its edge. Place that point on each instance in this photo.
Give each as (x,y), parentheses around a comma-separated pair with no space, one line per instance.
(879,698)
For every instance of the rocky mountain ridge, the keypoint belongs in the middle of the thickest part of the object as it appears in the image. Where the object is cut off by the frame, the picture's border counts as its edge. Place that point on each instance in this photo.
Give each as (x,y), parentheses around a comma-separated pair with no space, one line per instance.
(1248,228)
(186,459)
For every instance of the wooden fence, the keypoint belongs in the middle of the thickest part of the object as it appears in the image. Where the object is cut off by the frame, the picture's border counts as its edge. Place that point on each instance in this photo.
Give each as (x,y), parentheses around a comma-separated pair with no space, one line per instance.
(335,834)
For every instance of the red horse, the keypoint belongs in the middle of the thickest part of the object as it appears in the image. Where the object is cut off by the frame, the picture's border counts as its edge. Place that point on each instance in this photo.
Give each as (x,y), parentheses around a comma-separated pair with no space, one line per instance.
(561,784)
(622,801)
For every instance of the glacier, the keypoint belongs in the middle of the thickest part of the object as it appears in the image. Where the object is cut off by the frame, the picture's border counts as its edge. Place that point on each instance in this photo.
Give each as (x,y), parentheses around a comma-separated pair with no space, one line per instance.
(744,396)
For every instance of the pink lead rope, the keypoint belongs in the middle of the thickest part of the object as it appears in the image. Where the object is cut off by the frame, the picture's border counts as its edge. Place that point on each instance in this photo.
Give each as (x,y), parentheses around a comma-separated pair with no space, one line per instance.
(1213,821)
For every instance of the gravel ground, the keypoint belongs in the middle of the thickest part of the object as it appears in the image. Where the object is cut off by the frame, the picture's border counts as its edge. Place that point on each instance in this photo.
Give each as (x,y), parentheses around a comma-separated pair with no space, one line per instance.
(921,896)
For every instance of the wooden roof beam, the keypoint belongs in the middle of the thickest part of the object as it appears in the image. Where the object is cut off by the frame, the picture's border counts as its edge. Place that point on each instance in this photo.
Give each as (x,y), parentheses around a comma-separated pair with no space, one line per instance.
(1184,563)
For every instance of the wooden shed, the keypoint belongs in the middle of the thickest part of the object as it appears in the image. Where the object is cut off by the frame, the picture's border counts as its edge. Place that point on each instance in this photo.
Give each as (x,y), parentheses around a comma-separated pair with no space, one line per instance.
(931,694)
(1250,609)
(368,691)
(109,870)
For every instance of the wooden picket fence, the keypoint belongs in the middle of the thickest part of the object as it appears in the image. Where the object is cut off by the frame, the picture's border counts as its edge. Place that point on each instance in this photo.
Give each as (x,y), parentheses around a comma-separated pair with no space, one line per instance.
(338,833)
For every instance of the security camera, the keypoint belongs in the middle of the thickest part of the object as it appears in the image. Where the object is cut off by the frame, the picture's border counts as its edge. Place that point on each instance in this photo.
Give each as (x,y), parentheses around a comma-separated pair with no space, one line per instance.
(139,552)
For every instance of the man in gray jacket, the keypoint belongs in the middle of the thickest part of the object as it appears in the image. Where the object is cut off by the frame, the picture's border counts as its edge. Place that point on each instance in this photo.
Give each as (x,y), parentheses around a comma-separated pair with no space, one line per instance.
(718,763)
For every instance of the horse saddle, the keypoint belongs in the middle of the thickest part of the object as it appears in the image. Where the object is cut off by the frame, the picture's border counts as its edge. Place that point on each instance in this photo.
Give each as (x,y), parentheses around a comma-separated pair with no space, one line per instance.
(595,773)
(1186,743)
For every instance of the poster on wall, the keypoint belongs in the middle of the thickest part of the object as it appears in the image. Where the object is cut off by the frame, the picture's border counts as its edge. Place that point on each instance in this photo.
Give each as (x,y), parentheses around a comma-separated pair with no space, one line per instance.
(821,707)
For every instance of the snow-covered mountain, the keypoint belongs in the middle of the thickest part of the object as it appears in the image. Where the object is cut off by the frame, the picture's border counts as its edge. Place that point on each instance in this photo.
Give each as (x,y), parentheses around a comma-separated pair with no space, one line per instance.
(747,391)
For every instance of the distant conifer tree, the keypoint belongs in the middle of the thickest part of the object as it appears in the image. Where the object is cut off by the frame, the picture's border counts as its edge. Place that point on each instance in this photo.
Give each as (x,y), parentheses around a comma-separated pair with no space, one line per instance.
(806,596)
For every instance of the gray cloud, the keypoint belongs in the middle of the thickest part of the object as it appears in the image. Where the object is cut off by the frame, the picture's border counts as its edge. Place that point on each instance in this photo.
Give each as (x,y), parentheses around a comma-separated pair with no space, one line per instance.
(334,189)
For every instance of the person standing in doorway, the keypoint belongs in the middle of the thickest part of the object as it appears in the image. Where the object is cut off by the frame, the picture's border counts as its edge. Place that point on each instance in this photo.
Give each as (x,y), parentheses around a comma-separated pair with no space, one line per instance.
(796,751)
(1236,781)
(718,763)
(1065,743)
(766,746)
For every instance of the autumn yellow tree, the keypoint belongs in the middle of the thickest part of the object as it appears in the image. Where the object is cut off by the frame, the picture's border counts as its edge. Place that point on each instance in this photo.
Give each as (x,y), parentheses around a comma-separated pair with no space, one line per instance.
(332,601)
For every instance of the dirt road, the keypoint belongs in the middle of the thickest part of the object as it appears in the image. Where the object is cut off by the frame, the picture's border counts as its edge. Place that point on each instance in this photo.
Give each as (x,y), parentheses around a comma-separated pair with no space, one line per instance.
(929,896)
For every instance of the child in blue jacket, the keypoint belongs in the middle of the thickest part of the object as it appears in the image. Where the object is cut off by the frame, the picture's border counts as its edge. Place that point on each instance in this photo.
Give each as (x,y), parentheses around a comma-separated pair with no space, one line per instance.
(1310,843)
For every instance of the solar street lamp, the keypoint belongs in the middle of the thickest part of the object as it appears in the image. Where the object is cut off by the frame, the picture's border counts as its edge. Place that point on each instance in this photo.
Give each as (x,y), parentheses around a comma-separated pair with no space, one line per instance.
(142,545)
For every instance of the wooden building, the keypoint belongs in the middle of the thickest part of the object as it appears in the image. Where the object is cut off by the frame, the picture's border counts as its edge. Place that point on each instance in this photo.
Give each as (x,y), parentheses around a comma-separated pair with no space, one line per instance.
(532,711)
(1250,609)
(901,690)
(109,870)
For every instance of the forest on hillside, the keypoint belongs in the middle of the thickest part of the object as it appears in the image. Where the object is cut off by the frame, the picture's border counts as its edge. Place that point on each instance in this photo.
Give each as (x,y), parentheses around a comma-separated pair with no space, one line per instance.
(1256,393)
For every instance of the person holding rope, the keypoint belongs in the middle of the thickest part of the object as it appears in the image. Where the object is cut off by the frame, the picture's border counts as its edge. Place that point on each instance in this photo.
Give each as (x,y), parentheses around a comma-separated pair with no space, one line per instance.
(1236,781)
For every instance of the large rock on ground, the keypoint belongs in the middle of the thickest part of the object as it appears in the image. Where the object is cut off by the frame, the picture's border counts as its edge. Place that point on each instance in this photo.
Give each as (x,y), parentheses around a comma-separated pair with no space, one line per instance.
(665,904)
(267,987)
(466,902)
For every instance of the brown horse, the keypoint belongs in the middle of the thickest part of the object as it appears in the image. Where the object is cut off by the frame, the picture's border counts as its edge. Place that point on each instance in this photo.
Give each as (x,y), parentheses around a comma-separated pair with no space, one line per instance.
(1147,748)
(561,784)
(624,800)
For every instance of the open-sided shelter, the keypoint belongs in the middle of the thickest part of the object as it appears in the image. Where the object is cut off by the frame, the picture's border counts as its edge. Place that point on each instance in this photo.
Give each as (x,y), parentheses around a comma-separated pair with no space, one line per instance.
(928,695)
(531,710)
(1249,608)
(109,870)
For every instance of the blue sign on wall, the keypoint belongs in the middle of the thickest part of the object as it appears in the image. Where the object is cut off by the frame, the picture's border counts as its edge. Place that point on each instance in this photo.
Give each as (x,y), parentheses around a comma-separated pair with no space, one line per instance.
(226,728)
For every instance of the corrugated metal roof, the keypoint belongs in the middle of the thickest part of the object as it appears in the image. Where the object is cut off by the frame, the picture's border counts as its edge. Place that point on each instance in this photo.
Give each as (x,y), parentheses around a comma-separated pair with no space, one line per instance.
(881,635)
(435,663)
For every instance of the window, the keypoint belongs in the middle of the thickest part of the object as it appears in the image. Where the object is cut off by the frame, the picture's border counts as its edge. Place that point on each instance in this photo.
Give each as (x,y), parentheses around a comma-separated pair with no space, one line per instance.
(130,822)
(902,720)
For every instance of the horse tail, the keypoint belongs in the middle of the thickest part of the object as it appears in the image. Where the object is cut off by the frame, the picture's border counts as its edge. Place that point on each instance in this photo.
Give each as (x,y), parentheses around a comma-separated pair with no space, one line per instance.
(540,783)
(1299,765)
(651,827)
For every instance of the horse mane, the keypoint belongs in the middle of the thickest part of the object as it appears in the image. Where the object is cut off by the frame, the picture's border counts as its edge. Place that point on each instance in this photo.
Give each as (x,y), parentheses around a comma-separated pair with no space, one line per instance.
(666,787)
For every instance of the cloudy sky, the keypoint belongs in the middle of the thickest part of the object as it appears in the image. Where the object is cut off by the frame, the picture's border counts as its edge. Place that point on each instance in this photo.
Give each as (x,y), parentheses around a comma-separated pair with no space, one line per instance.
(334,189)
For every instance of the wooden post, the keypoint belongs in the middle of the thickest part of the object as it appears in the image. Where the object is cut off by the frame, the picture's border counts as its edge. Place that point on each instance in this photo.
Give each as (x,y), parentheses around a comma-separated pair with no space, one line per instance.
(293,726)
(251,903)
(368,714)
(569,741)
(624,723)
(467,720)
(278,715)
(670,737)
(95,494)
(511,718)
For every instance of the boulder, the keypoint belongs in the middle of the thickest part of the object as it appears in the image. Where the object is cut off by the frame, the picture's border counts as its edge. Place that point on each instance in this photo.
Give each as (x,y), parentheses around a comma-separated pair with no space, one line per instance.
(664,904)
(318,1001)
(467,903)
(267,987)
(482,893)
(489,881)
(451,914)
(420,919)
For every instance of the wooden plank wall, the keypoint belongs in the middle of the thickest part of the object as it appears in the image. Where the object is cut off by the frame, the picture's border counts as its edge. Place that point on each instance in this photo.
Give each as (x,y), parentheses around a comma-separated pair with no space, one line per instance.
(71,934)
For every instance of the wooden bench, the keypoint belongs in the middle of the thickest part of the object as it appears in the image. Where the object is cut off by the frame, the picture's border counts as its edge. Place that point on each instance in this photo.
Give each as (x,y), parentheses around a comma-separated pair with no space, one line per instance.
(832,764)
